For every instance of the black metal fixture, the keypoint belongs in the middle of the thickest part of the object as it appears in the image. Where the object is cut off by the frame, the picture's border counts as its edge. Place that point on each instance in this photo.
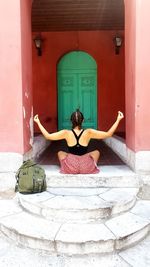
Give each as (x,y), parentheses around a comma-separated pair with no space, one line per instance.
(38,44)
(118,42)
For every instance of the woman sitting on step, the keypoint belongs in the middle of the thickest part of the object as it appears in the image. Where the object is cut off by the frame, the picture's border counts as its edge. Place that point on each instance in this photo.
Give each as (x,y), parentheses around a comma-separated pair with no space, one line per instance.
(78,160)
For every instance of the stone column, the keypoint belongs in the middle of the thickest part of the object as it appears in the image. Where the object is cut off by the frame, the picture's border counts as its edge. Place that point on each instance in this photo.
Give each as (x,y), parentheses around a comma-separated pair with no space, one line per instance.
(137,75)
(15,83)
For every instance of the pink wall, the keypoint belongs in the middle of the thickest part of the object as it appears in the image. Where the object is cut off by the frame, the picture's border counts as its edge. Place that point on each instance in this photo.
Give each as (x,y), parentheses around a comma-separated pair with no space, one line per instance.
(26,50)
(130,72)
(99,44)
(142,76)
(11,78)
(137,74)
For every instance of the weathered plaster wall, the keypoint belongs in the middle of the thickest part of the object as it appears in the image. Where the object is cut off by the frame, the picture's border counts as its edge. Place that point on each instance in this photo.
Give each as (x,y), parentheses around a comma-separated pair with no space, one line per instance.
(11,127)
(26,58)
(142,105)
(15,75)
(137,74)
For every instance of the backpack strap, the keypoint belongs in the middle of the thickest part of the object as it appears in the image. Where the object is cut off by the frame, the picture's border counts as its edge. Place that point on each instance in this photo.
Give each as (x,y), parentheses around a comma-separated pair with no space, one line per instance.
(25,164)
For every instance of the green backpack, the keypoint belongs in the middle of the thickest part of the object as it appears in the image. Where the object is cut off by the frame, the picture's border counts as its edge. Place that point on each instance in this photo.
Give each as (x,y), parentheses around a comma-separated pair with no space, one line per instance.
(30,178)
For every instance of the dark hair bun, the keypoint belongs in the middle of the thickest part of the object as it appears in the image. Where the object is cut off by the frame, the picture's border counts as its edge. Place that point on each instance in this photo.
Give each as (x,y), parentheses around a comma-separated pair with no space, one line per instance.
(77,118)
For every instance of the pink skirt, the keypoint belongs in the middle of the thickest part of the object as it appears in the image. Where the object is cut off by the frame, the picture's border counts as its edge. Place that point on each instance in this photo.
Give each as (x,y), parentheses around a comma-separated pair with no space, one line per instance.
(74,164)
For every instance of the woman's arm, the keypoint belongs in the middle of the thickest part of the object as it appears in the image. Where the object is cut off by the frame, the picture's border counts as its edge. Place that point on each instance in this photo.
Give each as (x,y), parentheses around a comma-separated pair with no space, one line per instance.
(54,136)
(95,134)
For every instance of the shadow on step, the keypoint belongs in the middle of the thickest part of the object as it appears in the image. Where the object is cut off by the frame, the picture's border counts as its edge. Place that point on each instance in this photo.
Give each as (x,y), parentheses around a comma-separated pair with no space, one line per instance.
(108,157)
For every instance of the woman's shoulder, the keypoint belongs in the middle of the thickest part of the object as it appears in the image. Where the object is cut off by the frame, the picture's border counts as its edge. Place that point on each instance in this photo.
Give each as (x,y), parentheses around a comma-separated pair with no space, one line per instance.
(64,132)
(90,132)
(67,131)
(87,131)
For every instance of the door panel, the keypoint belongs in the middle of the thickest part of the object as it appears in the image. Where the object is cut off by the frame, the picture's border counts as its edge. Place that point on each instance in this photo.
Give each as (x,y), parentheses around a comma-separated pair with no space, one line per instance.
(67,99)
(77,88)
(88,99)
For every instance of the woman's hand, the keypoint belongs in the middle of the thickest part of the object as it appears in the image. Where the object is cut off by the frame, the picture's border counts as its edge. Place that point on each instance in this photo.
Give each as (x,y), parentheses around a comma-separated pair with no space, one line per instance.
(36,119)
(120,116)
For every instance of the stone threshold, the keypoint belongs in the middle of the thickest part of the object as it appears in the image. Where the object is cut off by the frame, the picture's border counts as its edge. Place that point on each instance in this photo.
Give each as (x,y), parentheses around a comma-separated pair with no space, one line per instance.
(109,176)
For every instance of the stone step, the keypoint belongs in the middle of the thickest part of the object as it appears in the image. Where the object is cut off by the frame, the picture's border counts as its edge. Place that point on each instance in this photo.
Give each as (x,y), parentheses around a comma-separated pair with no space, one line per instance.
(109,176)
(112,235)
(79,204)
(19,256)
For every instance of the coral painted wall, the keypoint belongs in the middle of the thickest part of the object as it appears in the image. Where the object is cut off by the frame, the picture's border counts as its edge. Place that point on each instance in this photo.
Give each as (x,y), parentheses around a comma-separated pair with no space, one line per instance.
(137,74)
(111,72)
(15,74)
(130,43)
(26,59)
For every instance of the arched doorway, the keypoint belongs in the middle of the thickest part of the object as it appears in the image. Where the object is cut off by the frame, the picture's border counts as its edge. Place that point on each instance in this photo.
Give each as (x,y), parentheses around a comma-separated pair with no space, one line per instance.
(77,88)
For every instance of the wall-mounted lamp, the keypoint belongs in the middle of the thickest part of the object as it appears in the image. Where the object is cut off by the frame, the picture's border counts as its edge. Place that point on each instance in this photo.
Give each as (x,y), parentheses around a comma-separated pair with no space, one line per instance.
(38,44)
(118,42)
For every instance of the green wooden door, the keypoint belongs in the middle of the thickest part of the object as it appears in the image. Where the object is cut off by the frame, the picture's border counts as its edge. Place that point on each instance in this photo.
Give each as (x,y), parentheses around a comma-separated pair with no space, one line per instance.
(77,88)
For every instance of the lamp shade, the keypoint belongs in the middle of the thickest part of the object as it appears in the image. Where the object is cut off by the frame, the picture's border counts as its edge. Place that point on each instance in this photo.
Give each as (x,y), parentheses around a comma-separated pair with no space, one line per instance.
(118,41)
(38,42)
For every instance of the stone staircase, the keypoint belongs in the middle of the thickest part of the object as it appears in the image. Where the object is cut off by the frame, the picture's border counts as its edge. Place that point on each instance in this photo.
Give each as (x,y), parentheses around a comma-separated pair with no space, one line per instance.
(79,214)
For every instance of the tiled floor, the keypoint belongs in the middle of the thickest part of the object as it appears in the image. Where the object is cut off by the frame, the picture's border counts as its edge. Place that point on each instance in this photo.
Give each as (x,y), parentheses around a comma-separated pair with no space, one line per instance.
(108,157)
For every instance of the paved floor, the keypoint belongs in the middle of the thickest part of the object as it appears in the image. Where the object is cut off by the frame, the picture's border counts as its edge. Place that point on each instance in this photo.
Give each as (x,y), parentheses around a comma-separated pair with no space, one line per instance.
(108,157)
